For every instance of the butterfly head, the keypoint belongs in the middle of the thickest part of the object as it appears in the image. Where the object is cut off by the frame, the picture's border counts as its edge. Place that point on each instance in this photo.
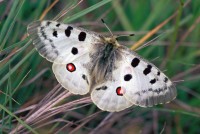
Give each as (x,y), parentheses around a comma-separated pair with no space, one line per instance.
(112,40)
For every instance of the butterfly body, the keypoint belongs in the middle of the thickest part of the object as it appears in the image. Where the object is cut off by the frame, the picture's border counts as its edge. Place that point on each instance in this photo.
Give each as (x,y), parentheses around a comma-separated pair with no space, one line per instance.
(87,62)
(103,61)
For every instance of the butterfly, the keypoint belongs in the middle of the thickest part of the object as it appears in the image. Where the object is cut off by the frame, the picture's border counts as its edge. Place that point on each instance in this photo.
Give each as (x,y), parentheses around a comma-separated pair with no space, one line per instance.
(88,62)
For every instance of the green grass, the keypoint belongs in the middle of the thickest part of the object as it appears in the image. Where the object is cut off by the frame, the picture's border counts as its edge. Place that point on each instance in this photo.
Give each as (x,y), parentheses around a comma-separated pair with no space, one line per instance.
(27,83)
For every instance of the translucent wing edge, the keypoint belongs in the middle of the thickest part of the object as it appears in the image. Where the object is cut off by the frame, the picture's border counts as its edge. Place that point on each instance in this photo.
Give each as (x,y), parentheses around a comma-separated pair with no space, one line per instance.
(41,46)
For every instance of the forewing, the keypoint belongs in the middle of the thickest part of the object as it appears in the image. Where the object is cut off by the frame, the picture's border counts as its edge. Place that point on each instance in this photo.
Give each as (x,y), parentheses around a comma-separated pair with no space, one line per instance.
(68,47)
(145,85)
(61,43)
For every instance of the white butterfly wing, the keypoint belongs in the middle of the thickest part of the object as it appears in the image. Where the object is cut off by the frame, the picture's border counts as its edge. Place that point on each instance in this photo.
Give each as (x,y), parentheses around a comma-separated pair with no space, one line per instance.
(61,43)
(145,85)
(108,96)
(74,76)
(135,81)
(68,48)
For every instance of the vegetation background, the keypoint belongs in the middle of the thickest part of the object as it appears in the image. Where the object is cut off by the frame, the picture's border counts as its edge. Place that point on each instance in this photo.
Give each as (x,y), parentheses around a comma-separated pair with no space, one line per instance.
(32,101)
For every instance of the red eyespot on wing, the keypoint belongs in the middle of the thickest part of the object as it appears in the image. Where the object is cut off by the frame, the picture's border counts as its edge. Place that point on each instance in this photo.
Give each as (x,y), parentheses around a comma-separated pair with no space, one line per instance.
(120,91)
(71,67)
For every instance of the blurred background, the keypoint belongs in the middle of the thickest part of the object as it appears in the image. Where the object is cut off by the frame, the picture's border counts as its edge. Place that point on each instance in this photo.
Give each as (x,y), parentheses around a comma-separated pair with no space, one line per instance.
(32,101)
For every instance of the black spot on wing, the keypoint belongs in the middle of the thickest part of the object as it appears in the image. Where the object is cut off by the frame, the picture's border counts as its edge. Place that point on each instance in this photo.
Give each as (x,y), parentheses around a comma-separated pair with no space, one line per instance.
(55,34)
(68,31)
(153,81)
(85,78)
(166,79)
(147,70)
(135,62)
(127,77)
(82,36)
(158,73)
(74,51)
(58,24)
(102,88)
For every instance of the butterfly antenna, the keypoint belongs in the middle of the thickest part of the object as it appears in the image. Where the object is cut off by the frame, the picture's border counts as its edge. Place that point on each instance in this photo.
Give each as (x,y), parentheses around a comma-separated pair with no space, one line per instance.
(124,35)
(107,27)
(178,81)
